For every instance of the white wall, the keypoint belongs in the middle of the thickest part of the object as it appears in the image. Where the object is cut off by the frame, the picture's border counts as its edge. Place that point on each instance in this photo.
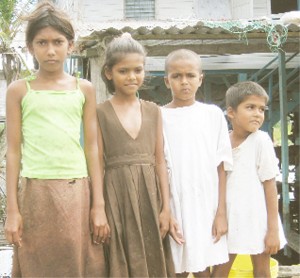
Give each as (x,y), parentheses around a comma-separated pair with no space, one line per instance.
(95,10)
(92,11)
(167,9)
(200,9)
(261,8)
(248,9)
(242,9)
(212,9)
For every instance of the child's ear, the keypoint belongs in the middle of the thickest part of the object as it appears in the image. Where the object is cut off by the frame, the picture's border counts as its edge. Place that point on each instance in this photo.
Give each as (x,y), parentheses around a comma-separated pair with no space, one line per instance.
(167,82)
(108,73)
(201,79)
(230,113)
(70,47)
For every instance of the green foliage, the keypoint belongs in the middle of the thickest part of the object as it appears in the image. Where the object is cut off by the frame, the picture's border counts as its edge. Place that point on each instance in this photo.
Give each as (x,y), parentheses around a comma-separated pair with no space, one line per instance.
(11,12)
(7,10)
(2,208)
(277,133)
(1,127)
(9,22)
(2,194)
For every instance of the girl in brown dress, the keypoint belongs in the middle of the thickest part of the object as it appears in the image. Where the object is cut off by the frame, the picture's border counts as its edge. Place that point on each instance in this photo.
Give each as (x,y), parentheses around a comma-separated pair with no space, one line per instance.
(136,188)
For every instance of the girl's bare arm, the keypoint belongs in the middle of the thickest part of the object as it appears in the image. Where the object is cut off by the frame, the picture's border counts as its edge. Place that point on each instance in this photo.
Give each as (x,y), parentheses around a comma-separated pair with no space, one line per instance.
(13,225)
(161,170)
(99,225)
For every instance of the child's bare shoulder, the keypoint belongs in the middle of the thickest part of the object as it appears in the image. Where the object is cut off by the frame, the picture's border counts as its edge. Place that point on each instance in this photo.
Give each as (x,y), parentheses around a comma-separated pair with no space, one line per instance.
(85,84)
(17,89)
(101,105)
(87,88)
(150,104)
(17,84)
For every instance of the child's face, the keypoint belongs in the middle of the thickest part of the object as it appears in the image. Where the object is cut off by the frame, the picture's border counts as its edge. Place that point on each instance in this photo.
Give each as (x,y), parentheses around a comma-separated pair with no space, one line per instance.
(50,48)
(128,74)
(184,79)
(249,116)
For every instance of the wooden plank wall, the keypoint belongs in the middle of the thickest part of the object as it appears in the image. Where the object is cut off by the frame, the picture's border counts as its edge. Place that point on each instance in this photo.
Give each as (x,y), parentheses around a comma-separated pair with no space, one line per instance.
(167,9)
(261,8)
(248,9)
(212,9)
(242,9)
(97,11)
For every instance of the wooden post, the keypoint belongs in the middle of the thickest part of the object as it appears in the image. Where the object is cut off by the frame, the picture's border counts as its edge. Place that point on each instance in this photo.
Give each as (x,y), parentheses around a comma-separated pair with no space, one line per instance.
(96,65)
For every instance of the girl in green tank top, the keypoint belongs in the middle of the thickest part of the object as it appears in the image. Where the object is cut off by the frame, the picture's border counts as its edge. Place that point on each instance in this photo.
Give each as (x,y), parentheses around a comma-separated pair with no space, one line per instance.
(58,215)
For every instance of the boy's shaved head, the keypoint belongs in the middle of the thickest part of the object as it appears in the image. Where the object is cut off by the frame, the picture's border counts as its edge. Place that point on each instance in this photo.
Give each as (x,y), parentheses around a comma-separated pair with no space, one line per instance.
(184,54)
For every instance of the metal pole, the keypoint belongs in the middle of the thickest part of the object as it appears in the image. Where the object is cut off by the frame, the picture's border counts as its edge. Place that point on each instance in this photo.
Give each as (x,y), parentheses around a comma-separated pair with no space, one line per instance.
(284,144)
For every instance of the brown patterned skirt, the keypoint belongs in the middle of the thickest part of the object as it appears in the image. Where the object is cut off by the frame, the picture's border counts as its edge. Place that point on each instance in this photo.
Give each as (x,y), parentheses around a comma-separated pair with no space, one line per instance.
(56,239)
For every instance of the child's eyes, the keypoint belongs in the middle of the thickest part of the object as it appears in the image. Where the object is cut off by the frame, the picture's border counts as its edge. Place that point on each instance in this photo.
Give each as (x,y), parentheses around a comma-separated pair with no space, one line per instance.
(125,71)
(58,42)
(138,70)
(261,109)
(41,43)
(190,76)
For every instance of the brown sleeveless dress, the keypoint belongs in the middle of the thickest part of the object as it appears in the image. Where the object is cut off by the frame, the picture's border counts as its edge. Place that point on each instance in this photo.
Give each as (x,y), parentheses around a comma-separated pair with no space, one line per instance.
(132,197)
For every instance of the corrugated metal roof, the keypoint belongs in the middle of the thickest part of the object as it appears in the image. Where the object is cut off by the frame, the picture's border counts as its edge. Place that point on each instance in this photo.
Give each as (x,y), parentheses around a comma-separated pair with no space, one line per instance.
(193,32)
(171,26)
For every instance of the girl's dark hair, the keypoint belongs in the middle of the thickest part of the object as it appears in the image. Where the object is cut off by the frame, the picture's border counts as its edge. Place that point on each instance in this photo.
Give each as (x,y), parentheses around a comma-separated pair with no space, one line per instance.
(116,50)
(238,92)
(47,15)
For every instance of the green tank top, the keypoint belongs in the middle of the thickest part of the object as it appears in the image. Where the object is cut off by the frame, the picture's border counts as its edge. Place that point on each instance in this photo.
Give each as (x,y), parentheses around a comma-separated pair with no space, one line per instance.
(51,124)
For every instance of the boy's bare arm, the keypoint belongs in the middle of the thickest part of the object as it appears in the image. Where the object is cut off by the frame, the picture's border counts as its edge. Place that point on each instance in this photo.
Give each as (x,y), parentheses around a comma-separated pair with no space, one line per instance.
(272,243)
(220,223)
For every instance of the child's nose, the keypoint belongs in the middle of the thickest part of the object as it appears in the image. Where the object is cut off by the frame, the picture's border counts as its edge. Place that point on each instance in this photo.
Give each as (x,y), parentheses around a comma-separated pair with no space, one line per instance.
(257,112)
(131,75)
(184,80)
(50,50)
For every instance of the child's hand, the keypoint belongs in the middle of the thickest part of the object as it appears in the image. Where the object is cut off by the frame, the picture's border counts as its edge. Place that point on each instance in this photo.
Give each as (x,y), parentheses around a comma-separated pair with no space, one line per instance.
(99,226)
(14,229)
(164,222)
(272,242)
(219,227)
(175,231)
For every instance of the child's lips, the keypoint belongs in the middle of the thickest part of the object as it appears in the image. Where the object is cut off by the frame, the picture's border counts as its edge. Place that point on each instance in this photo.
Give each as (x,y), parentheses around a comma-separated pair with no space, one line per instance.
(51,61)
(255,122)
